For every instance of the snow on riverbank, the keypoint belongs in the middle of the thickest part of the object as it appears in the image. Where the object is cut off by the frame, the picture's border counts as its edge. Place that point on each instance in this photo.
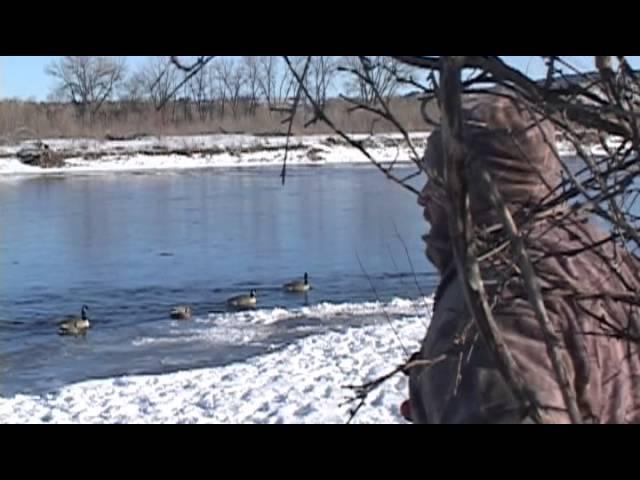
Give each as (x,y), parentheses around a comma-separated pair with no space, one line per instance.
(220,151)
(301,383)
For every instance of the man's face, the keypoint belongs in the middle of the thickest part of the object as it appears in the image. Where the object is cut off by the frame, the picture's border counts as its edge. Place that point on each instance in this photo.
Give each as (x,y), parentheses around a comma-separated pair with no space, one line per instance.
(433,200)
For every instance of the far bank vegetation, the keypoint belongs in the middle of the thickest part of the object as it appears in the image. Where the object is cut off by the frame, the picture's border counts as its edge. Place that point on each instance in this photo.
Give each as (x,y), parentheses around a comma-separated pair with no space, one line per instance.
(105,97)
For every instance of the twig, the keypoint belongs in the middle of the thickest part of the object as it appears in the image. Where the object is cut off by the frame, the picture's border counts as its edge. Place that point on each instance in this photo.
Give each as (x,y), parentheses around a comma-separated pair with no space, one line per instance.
(294,109)
(461,232)
(411,176)
(363,391)
(373,288)
(403,283)
(386,114)
(413,271)
(358,145)
(199,65)
(430,63)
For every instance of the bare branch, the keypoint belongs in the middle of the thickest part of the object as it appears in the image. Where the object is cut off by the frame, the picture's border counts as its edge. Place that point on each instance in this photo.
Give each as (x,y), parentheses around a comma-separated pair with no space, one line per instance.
(363,391)
(358,145)
(201,63)
(552,342)
(294,109)
(461,232)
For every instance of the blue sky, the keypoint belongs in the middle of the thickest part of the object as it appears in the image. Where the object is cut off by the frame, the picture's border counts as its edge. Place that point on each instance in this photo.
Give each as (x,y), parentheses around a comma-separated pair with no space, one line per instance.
(24,77)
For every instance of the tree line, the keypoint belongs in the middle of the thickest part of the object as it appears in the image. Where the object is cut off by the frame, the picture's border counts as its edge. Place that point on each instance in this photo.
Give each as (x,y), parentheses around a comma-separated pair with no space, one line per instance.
(94,94)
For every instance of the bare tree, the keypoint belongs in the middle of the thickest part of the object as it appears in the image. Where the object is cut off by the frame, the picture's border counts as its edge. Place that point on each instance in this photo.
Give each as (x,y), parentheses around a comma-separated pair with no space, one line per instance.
(233,76)
(217,89)
(252,70)
(158,80)
(199,91)
(267,77)
(275,80)
(155,79)
(184,101)
(372,77)
(321,76)
(87,81)
(133,88)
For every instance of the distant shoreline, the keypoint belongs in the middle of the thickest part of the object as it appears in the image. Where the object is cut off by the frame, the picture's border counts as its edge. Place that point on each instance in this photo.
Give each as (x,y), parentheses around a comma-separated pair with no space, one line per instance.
(209,151)
(153,153)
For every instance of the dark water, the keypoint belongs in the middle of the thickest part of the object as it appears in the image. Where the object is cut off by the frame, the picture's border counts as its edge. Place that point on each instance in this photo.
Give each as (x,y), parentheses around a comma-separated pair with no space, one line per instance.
(132,245)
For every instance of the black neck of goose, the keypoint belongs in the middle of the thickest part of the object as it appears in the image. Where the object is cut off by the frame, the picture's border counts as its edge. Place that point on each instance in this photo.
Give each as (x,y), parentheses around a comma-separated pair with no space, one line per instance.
(306,279)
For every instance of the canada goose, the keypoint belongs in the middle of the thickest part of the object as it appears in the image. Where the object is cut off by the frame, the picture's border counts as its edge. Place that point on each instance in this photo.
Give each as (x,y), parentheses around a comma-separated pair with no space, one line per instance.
(181,312)
(299,285)
(243,300)
(75,325)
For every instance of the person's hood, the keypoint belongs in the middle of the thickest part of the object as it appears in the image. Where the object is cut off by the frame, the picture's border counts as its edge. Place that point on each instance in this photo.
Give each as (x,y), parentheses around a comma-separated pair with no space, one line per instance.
(513,144)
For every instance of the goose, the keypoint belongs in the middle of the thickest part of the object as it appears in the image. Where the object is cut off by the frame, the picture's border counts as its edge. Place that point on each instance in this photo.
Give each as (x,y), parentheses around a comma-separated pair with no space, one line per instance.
(299,285)
(243,300)
(75,325)
(181,312)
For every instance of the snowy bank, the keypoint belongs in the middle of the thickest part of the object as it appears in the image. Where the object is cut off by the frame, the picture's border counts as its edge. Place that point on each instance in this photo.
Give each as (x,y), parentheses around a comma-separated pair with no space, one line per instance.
(192,152)
(300,383)
(221,151)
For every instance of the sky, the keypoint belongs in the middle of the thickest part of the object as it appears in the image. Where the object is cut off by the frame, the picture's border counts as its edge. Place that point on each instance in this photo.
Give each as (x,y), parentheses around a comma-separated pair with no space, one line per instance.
(25,77)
